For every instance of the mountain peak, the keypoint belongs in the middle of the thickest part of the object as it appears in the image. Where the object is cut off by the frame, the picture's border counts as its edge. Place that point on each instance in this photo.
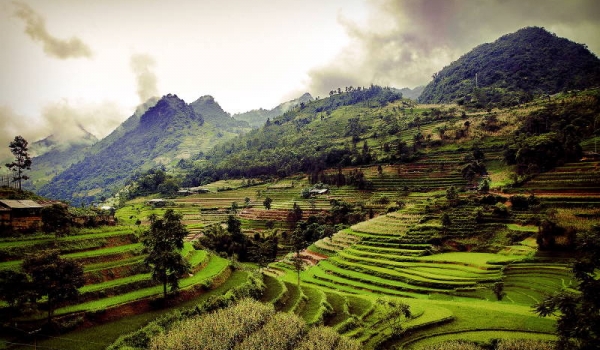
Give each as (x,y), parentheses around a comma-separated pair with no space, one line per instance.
(516,66)
(168,109)
(205,99)
(77,136)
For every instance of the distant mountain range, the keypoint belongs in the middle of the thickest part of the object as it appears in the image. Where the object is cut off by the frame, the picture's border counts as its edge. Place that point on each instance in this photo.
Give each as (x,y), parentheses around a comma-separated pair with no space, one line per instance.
(161,133)
(257,117)
(170,134)
(413,94)
(510,70)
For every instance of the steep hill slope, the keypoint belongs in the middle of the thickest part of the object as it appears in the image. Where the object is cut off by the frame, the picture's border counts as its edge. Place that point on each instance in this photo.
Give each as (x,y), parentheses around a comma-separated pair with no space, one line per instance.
(313,136)
(508,71)
(168,132)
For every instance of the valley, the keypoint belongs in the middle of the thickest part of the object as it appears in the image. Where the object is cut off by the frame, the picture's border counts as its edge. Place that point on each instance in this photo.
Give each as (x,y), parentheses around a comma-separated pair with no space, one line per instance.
(391,222)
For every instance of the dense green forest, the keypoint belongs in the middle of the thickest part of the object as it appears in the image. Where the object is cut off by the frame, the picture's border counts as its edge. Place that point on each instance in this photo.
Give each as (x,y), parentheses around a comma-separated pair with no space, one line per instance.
(513,69)
(314,136)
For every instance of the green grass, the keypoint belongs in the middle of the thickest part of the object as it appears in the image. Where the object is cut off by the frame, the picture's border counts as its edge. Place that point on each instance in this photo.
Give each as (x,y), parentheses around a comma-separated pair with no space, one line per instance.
(515,227)
(480,337)
(114,283)
(339,304)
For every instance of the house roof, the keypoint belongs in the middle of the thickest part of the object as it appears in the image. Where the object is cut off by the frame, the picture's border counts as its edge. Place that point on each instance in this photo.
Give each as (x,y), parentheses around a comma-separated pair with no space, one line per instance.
(20,204)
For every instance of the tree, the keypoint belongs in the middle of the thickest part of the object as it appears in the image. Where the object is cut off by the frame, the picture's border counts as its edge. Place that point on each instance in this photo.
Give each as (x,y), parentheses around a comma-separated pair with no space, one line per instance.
(18,147)
(451,194)
(305,193)
(234,208)
(14,287)
(484,186)
(294,216)
(393,311)
(164,241)
(446,222)
(498,289)
(578,322)
(55,278)
(56,218)
(264,252)
(267,203)
(298,266)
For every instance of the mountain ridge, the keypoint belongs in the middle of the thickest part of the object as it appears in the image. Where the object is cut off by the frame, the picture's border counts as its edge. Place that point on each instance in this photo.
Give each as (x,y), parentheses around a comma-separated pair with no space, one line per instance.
(510,70)
(257,117)
(165,134)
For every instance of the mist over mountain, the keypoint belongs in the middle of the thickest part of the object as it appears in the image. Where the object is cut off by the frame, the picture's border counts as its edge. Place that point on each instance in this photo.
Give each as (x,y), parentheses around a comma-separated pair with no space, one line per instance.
(52,155)
(257,117)
(510,70)
(51,143)
(166,133)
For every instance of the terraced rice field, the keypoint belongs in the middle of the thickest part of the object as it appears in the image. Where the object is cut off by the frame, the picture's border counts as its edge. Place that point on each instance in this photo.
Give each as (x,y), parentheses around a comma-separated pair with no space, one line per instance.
(114,271)
(390,257)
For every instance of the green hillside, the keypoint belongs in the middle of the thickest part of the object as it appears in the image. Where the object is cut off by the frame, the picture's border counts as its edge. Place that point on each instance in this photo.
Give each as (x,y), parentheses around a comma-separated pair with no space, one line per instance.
(167,133)
(514,68)
(443,269)
(391,223)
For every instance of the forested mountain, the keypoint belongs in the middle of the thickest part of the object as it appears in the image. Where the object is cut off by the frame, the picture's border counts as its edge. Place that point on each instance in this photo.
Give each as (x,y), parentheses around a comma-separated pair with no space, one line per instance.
(165,134)
(311,137)
(512,69)
(257,117)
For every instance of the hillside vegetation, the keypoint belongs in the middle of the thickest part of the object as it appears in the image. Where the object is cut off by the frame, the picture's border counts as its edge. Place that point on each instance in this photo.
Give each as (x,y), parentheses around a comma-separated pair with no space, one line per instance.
(513,69)
(167,133)
(395,224)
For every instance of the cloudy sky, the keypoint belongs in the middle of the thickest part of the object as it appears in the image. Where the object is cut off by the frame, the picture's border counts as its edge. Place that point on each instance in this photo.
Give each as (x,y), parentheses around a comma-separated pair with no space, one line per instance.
(66,63)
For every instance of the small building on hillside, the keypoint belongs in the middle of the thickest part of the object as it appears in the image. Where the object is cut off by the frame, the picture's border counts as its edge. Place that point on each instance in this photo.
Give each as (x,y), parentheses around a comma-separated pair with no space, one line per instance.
(318,191)
(192,190)
(20,214)
(157,202)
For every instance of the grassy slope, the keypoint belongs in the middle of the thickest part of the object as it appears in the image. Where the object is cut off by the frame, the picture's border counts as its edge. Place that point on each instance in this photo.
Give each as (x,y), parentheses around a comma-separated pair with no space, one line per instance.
(455,313)
(111,331)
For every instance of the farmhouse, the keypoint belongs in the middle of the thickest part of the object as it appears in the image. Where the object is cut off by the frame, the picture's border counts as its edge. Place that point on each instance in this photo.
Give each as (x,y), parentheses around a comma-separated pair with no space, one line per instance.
(20,214)
(158,202)
(192,190)
(318,191)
